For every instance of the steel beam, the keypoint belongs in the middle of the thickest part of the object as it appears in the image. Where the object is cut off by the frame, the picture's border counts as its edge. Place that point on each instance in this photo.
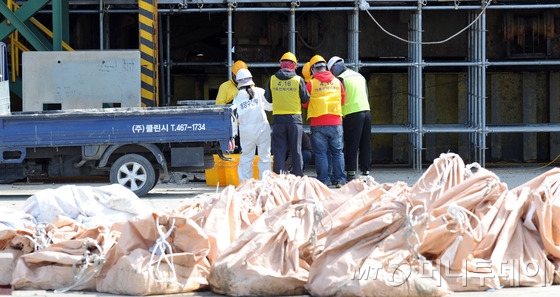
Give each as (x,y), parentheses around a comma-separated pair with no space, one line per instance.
(17,21)
(61,32)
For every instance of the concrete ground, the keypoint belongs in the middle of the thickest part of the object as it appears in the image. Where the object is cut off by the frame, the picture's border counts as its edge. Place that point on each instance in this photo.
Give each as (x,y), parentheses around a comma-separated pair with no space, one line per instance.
(166,196)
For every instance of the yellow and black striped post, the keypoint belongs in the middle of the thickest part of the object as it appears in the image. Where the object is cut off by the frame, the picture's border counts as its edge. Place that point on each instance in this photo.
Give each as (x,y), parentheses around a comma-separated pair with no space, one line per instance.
(148,24)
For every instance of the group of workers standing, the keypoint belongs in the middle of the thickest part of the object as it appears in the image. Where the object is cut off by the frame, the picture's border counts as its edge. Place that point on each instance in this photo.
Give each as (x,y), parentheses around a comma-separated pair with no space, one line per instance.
(338,110)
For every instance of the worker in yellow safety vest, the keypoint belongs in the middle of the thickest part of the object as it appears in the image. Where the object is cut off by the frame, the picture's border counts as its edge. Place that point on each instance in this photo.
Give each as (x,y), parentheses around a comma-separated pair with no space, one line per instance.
(356,119)
(287,92)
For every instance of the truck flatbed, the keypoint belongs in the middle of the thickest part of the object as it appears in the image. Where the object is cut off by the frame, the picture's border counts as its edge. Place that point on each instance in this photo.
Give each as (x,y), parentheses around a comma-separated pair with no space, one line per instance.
(91,141)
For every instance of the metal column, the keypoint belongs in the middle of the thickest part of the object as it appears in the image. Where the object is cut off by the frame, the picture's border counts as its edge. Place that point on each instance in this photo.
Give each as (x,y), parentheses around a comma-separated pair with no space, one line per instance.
(482,90)
(415,87)
(292,32)
(477,86)
(229,37)
(354,39)
(61,32)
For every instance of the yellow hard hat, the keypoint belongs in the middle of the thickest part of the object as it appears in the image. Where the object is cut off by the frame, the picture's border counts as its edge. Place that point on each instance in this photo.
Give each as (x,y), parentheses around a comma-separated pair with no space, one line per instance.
(306,71)
(288,56)
(317,59)
(238,65)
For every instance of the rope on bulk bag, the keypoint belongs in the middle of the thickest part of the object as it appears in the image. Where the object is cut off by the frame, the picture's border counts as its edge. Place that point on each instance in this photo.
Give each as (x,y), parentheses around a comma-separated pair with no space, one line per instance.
(88,260)
(412,239)
(83,275)
(206,202)
(41,239)
(469,167)
(282,181)
(386,198)
(469,173)
(264,186)
(442,176)
(159,248)
(318,216)
(460,216)
(199,221)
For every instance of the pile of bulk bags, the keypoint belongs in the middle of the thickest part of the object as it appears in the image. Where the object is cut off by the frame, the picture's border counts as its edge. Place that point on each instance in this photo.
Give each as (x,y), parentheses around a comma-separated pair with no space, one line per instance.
(458,228)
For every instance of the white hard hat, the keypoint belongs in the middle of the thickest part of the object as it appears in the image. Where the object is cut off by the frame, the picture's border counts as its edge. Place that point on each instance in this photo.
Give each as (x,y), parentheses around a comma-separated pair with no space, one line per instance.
(333,61)
(244,78)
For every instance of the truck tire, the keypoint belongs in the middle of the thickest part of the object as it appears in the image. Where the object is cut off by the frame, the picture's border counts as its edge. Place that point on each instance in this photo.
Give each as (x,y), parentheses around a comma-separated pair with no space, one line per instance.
(157,175)
(134,172)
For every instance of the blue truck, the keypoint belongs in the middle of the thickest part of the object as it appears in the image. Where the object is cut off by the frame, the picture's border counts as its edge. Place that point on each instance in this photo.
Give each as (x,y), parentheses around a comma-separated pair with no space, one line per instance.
(132,146)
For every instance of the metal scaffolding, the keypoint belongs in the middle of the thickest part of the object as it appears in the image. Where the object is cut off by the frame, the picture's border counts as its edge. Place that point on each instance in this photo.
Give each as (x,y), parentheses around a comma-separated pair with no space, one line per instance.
(474,126)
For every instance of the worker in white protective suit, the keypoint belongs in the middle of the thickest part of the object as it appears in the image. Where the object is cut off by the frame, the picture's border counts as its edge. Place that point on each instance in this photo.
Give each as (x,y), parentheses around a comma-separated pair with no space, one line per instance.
(254,128)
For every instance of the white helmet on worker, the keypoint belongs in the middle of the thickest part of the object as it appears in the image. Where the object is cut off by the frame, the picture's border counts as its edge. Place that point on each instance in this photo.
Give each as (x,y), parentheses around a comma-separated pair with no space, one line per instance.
(244,78)
(333,61)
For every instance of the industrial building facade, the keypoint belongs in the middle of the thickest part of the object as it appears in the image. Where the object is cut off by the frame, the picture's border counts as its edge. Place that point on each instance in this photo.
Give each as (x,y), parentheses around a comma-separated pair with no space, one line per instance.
(479,78)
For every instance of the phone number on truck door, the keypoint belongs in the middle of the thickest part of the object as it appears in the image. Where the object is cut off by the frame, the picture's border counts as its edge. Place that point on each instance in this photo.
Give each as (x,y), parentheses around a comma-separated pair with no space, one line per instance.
(158,128)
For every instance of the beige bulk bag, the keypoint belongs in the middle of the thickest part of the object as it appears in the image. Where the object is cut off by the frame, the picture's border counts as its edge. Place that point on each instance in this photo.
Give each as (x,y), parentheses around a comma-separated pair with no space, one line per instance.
(66,264)
(266,259)
(525,262)
(444,173)
(156,255)
(518,257)
(450,239)
(466,221)
(477,193)
(492,223)
(511,253)
(196,208)
(461,218)
(13,244)
(224,222)
(371,250)
(271,191)
(8,259)
(545,205)
(544,213)
(238,207)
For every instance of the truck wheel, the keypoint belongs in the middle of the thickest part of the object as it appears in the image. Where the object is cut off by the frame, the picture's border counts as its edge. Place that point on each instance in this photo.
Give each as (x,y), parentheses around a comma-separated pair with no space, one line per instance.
(156,174)
(208,162)
(133,172)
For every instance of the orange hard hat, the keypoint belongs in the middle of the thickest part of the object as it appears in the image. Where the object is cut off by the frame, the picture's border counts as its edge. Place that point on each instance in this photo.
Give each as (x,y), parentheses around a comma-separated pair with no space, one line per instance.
(288,56)
(238,65)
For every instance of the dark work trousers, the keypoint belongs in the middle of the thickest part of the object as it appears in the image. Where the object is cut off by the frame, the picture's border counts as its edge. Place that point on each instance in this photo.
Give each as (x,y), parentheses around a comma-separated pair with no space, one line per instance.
(286,137)
(357,140)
